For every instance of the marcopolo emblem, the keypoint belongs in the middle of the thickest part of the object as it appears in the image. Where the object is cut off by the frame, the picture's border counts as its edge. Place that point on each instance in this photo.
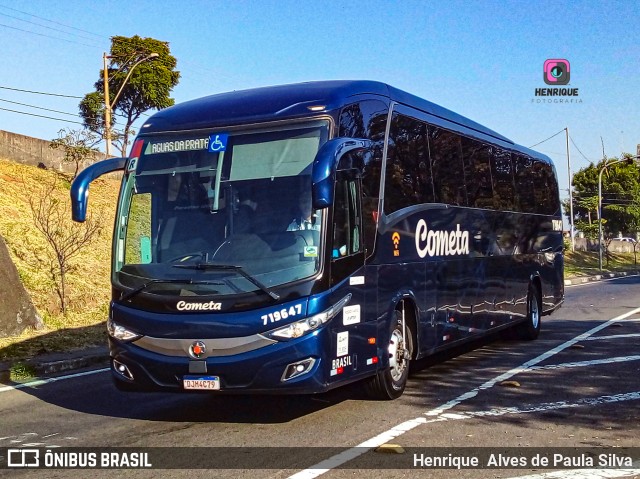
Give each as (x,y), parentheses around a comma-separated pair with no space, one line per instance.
(197,349)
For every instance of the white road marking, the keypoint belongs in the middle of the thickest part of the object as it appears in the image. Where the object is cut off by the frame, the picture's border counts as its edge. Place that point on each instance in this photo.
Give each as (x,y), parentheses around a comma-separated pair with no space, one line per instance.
(532,362)
(584,474)
(582,364)
(437,413)
(501,411)
(615,336)
(586,283)
(40,382)
(32,437)
(349,454)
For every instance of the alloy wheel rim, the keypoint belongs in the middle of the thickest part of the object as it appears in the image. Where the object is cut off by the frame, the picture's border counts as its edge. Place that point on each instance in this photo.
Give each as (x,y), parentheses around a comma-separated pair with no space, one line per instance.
(397,363)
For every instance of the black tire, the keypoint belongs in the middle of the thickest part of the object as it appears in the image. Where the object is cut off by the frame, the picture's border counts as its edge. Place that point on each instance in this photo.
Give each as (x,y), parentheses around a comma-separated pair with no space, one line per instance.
(530,328)
(390,382)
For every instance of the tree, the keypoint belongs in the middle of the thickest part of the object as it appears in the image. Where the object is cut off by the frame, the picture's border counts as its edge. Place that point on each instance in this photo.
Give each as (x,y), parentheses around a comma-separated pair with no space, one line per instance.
(148,86)
(77,146)
(64,237)
(620,198)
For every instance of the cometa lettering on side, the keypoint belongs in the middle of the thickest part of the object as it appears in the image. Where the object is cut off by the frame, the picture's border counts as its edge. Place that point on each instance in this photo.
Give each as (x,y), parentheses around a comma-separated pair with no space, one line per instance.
(440,243)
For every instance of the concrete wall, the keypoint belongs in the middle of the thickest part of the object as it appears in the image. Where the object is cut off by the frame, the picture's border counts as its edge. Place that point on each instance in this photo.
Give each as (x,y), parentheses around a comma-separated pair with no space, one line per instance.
(584,244)
(32,151)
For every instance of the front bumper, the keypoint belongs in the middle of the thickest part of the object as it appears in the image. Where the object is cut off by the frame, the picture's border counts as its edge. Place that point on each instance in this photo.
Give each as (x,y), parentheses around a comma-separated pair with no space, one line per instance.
(256,371)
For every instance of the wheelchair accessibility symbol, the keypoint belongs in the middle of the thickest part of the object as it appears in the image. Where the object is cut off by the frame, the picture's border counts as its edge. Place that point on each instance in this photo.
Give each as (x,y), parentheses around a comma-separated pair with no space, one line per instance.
(218,142)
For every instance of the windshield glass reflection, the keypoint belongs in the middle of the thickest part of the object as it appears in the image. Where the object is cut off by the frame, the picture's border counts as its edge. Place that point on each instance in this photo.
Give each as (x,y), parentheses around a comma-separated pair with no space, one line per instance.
(235,208)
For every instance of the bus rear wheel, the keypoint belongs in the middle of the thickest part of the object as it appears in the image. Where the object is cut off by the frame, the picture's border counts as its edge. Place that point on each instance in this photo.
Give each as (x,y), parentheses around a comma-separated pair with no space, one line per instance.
(530,328)
(391,381)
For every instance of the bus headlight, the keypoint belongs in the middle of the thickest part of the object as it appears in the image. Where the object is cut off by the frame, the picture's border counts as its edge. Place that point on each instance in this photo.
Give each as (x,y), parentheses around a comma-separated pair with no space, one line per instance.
(307,325)
(120,332)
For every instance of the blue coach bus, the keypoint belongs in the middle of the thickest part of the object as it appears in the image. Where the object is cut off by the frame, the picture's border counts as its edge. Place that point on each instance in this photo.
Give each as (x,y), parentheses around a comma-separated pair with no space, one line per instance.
(296,238)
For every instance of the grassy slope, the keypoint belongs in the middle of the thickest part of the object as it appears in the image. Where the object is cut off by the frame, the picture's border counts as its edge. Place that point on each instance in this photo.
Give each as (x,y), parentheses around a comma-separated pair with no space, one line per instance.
(583,263)
(88,285)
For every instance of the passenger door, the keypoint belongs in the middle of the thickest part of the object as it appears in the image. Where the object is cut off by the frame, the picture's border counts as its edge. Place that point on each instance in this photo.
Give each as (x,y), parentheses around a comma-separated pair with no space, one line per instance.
(351,331)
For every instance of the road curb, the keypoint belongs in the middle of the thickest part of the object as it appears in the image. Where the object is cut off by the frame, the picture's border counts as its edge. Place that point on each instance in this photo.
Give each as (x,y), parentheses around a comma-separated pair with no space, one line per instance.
(50,364)
(597,277)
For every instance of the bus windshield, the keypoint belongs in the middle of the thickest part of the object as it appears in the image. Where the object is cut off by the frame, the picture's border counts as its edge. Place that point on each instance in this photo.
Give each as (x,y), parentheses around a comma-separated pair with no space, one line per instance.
(219,213)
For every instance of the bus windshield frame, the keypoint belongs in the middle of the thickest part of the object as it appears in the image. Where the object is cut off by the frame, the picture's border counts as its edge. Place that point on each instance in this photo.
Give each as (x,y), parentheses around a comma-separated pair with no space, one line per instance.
(231,209)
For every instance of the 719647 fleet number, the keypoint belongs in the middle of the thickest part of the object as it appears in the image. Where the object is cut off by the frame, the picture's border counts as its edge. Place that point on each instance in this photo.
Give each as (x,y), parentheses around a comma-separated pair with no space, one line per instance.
(284,313)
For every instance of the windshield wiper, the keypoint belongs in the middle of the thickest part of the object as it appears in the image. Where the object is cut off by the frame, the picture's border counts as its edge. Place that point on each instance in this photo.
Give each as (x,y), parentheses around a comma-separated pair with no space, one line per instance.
(144,286)
(230,267)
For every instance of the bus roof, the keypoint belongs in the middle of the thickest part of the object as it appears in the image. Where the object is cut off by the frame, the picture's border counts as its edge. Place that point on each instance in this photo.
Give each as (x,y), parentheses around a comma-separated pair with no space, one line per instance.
(287,101)
(293,101)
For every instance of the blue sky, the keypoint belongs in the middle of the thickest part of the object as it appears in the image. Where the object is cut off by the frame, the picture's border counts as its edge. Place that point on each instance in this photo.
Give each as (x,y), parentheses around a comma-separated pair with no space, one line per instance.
(482,59)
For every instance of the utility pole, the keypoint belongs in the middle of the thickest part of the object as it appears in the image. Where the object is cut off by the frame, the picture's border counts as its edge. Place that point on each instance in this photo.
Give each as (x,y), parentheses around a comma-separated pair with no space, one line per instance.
(573,240)
(108,103)
(107,106)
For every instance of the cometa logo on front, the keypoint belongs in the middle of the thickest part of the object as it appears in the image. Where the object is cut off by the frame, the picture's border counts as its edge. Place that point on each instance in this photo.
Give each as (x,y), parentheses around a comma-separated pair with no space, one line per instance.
(440,243)
(210,306)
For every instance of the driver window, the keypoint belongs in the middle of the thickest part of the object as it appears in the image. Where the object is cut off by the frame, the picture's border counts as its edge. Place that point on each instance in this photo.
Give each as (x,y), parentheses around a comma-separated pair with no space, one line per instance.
(346,216)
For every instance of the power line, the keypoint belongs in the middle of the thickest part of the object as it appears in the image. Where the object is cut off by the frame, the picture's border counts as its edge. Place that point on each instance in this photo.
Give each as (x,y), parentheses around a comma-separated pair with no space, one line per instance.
(50,94)
(41,116)
(51,21)
(52,118)
(48,36)
(540,142)
(58,111)
(38,107)
(44,26)
(574,144)
(39,92)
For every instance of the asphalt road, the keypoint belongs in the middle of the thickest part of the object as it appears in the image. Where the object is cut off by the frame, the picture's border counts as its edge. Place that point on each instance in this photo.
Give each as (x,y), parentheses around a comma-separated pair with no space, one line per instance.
(578,385)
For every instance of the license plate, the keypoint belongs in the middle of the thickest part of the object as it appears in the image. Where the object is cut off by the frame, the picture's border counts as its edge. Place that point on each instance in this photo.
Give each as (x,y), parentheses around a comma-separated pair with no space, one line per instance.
(201,383)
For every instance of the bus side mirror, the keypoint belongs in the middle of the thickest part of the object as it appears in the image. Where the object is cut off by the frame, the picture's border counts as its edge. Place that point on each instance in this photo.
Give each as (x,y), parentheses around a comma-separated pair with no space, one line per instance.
(80,186)
(323,171)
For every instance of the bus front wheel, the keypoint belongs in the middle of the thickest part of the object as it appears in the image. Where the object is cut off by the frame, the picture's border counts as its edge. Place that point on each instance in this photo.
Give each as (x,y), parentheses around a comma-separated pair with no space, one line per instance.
(390,382)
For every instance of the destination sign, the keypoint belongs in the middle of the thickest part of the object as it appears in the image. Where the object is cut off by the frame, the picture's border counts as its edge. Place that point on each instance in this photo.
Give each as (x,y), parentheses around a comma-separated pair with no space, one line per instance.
(174,146)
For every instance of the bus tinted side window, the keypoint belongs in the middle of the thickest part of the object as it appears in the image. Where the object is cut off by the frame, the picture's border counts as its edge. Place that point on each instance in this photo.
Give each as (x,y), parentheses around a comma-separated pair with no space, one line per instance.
(446,163)
(408,177)
(552,191)
(525,179)
(504,191)
(366,119)
(477,173)
(544,190)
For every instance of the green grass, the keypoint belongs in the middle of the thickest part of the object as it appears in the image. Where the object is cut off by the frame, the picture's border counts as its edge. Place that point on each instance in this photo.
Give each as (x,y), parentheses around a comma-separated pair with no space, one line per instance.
(585,263)
(21,372)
